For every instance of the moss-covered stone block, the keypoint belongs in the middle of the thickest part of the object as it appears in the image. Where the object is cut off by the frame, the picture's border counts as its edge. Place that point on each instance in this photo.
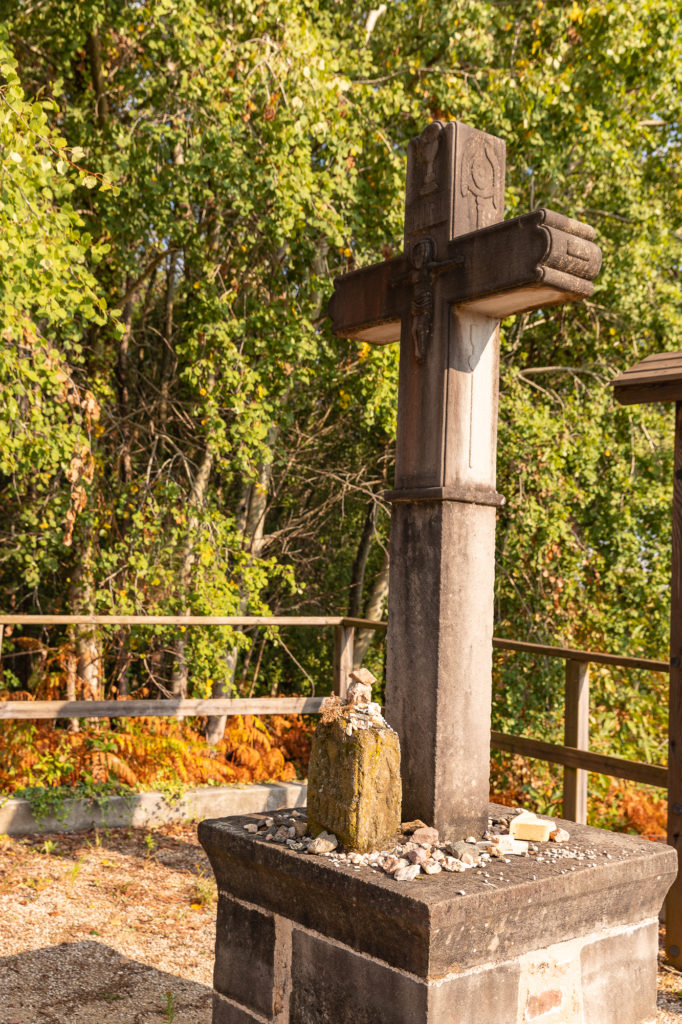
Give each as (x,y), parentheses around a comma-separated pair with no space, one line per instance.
(354,787)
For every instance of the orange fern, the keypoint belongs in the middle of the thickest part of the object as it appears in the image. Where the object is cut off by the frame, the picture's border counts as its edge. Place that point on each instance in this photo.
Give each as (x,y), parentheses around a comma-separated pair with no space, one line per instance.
(147,752)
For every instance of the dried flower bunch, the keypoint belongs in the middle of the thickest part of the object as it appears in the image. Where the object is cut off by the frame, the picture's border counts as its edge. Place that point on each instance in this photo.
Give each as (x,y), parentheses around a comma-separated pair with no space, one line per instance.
(331,709)
(359,692)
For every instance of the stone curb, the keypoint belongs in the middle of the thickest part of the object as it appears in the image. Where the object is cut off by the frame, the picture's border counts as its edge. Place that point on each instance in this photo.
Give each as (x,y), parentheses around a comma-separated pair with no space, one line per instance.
(141,809)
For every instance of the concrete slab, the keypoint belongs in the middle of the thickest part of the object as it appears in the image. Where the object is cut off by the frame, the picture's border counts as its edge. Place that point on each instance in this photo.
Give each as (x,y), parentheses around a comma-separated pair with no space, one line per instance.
(145,809)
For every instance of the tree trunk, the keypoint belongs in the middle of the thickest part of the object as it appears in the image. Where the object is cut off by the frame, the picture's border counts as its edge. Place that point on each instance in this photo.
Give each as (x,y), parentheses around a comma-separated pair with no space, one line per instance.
(179,674)
(320,268)
(87,647)
(215,725)
(167,350)
(360,564)
(374,609)
(122,670)
(253,508)
(95,56)
(123,389)
(71,675)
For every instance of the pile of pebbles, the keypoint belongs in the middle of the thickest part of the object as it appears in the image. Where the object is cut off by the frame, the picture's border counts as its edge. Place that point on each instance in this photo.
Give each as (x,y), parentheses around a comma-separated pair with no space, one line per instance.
(365,715)
(419,850)
(287,829)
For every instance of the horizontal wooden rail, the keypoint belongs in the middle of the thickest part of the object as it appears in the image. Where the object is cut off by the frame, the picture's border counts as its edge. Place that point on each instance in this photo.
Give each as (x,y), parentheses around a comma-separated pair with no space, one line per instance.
(637,771)
(28,709)
(572,757)
(570,653)
(187,620)
(596,657)
(376,624)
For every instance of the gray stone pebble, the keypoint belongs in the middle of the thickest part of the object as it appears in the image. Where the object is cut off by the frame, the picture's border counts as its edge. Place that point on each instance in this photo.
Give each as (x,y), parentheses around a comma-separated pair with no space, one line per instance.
(324,843)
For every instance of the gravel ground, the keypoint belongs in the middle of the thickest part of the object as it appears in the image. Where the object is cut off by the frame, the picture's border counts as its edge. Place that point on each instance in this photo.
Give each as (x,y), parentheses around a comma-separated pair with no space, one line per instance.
(114,925)
(118,925)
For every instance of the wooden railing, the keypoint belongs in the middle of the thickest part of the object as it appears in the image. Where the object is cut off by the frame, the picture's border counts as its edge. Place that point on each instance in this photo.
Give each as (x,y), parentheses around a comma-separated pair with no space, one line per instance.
(574,754)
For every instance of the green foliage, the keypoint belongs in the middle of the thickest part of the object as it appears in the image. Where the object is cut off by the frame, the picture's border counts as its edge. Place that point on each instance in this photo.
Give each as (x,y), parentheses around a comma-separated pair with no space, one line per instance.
(54,800)
(48,299)
(169,1007)
(182,433)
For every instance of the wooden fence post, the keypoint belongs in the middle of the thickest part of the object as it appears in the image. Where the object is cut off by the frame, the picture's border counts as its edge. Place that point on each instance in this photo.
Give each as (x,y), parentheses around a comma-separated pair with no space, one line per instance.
(576,734)
(673,901)
(344,641)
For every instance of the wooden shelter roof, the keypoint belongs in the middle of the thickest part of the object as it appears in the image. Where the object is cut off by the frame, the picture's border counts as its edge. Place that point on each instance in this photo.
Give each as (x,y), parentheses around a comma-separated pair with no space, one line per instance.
(658,378)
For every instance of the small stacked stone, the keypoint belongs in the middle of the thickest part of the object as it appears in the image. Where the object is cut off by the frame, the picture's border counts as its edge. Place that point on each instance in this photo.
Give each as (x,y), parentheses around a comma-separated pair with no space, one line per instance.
(360,711)
(364,716)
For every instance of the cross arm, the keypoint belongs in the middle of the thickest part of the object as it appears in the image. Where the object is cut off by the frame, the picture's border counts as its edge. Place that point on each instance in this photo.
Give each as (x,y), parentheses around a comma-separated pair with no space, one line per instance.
(539,259)
(369,304)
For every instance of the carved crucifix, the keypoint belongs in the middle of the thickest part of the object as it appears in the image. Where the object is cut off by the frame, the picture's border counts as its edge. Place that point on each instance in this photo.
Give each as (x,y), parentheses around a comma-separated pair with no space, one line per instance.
(462,270)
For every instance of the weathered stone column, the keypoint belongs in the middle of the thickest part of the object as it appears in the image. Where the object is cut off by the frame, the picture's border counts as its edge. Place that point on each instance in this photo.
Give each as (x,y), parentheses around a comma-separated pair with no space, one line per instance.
(439,659)
(443,518)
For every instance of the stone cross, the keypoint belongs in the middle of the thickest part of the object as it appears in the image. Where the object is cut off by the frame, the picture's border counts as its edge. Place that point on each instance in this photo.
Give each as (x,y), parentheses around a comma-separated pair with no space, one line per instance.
(462,270)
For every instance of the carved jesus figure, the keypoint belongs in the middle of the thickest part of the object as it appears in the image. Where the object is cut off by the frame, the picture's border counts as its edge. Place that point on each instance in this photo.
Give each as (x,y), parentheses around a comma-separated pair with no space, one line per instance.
(421,309)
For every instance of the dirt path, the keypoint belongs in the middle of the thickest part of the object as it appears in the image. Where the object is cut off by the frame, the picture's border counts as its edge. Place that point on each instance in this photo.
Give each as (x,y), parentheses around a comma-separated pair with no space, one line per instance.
(118,925)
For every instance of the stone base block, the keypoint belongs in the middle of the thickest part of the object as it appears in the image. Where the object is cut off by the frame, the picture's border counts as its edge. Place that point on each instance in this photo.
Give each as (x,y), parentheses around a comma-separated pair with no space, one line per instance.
(596,979)
(303,941)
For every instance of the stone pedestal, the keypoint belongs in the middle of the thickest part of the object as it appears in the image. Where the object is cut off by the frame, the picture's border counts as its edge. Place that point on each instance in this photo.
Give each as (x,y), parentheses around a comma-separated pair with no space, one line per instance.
(303,941)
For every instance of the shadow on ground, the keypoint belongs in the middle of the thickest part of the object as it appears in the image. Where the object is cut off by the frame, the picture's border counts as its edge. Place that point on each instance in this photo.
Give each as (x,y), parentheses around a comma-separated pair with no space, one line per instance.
(88,982)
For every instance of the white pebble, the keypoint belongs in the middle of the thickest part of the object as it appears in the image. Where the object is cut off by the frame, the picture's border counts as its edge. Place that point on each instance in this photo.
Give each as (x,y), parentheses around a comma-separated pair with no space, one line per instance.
(453,864)
(394,864)
(407,874)
(323,844)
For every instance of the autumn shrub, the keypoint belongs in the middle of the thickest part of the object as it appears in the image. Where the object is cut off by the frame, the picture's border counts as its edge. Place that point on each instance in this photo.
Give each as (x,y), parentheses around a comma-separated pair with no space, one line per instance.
(615,804)
(148,753)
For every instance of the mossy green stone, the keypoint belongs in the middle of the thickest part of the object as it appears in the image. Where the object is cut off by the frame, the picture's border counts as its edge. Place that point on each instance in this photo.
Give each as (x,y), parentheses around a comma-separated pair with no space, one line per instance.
(354,787)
